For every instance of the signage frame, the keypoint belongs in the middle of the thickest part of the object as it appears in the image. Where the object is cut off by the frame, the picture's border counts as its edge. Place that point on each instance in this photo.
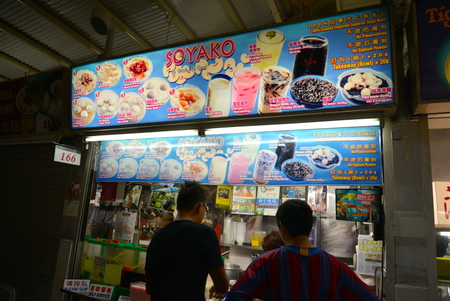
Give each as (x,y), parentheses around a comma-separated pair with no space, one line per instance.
(387,110)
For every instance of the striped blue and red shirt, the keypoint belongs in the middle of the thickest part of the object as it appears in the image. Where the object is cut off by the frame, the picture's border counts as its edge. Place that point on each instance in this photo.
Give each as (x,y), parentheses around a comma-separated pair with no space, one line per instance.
(299,273)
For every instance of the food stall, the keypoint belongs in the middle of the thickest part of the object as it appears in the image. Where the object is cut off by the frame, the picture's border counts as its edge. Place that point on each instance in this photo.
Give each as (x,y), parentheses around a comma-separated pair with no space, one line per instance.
(295,110)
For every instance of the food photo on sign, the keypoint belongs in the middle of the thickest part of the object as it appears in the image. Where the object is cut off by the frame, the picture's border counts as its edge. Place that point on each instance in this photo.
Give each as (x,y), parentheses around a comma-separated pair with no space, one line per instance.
(313,157)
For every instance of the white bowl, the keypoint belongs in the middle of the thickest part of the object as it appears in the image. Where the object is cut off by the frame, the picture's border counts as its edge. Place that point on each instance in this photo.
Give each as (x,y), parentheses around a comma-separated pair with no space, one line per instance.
(355,94)
(194,107)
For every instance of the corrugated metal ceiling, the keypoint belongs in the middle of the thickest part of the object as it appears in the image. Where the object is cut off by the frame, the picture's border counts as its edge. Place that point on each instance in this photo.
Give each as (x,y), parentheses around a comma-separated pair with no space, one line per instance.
(43,35)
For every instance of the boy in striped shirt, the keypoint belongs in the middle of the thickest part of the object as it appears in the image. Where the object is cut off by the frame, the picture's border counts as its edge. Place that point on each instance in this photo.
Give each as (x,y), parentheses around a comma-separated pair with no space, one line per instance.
(299,270)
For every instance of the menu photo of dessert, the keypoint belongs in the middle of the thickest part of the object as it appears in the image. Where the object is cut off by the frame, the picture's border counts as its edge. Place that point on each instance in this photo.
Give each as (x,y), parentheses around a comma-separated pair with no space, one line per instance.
(137,67)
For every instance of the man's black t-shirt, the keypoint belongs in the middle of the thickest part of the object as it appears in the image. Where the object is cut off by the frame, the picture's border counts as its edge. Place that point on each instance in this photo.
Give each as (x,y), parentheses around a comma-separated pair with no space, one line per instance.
(178,259)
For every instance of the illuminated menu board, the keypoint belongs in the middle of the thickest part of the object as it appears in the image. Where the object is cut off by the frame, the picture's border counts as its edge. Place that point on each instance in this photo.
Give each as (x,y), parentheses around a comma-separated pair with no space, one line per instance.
(339,156)
(342,61)
(433,18)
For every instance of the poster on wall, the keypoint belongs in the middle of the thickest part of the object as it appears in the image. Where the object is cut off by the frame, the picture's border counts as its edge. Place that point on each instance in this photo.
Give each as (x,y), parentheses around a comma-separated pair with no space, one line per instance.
(223,196)
(33,104)
(442,203)
(338,156)
(243,200)
(267,200)
(434,49)
(293,192)
(317,198)
(343,61)
(369,255)
(360,205)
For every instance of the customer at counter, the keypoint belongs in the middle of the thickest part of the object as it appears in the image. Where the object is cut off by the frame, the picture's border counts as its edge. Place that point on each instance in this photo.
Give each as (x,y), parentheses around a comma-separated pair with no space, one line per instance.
(182,253)
(299,270)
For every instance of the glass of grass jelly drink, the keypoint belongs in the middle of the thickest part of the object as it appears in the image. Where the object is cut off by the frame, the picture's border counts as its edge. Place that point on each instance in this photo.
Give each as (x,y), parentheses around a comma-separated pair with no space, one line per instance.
(245,89)
(274,86)
(269,42)
(219,95)
(265,161)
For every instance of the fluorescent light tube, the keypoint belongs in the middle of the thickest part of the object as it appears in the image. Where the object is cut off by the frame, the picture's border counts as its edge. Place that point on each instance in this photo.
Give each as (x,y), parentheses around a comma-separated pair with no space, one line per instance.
(162,134)
(293,126)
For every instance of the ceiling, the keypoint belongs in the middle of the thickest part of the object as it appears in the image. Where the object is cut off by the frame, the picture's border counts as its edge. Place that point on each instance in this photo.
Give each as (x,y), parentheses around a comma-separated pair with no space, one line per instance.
(43,35)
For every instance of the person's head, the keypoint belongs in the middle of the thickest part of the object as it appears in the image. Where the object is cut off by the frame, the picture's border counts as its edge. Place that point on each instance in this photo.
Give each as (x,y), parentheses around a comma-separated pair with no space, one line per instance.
(296,216)
(191,196)
(272,241)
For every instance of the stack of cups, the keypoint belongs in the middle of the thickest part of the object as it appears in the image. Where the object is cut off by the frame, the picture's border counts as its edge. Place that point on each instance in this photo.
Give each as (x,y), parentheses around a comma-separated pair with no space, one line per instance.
(228,231)
(239,232)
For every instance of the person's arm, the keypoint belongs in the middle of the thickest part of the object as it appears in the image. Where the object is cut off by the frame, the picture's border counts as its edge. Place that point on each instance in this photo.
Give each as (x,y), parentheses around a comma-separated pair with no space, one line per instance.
(220,280)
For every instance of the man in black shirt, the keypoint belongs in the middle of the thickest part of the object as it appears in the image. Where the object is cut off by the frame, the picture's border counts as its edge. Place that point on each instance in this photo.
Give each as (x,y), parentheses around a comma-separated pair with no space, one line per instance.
(183,253)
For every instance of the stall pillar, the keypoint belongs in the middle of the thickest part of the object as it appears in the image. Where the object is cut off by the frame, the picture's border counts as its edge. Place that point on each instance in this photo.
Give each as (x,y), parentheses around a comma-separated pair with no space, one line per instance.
(409,226)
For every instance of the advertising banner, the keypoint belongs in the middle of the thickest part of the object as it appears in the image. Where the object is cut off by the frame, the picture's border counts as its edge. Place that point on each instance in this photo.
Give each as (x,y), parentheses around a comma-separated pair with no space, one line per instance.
(348,156)
(361,205)
(342,61)
(32,104)
(433,25)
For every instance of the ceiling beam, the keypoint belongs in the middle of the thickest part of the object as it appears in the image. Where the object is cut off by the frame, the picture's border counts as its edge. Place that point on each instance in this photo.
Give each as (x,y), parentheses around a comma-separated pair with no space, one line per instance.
(18,64)
(62,26)
(175,19)
(275,11)
(122,26)
(288,7)
(233,14)
(31,43)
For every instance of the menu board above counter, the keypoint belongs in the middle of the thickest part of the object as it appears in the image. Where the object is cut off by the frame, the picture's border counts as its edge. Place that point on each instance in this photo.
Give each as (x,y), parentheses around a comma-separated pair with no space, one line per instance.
(343,61)
(338,156)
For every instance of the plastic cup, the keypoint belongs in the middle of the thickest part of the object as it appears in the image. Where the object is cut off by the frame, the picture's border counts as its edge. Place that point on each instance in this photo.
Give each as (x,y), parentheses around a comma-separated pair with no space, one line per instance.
(238,165)
(245,89)
(219,95)
(218,169)
(274,86)
(270,42)
(265,161)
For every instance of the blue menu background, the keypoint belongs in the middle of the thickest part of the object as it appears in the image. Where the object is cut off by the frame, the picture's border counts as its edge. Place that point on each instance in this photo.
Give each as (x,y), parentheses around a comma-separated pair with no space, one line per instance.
(352,38)
(359,149)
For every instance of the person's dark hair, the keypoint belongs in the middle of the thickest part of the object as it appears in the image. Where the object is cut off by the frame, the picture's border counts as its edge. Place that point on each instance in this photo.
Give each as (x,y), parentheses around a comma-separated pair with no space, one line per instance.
(297,216)
(272,241)
(191,193)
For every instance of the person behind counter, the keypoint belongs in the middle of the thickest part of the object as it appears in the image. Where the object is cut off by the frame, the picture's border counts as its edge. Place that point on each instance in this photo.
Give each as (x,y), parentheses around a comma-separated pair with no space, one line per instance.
(272,241)
(182,253)
(298,270)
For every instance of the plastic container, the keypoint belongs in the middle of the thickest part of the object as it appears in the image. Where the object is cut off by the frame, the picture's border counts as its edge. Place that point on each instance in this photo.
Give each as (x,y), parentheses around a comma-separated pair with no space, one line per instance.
(103,261)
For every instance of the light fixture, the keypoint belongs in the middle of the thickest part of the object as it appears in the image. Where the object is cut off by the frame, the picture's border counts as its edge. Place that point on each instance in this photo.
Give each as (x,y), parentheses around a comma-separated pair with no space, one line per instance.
(293,126)
(444,233)
(241,129)
(162,134)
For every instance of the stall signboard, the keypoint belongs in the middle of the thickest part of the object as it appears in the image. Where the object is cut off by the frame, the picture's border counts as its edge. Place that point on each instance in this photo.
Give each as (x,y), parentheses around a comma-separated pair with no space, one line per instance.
(343,61)
(32,104)
(433,25)
(337,156)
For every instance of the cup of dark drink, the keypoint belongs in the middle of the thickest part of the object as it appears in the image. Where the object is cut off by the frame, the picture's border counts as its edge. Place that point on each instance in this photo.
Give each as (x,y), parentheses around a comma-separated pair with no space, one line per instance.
(312,58)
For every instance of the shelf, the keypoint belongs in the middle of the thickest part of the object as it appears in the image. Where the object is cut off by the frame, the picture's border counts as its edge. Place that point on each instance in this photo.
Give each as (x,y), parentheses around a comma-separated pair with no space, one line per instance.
(244,247)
